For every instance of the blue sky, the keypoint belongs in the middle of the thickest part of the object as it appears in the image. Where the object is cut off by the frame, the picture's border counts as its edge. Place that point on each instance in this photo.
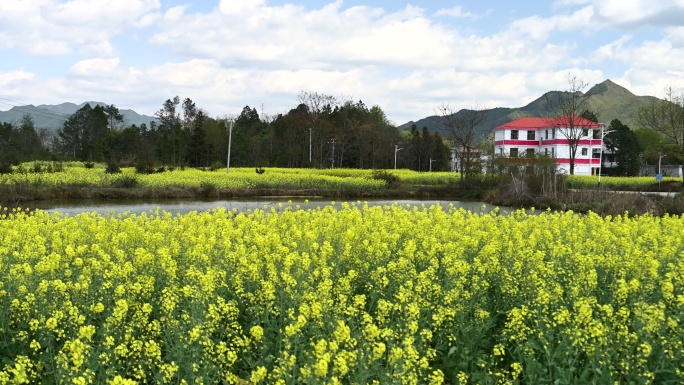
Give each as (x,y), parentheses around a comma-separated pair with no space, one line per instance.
(407,57)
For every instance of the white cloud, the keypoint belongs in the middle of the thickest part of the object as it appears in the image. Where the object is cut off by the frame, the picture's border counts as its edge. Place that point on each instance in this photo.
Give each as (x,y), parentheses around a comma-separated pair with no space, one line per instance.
(540,28)
(232,7)
(53,28)
(95,67)
(8,79)
(457,12)
(408,61)
(637,13)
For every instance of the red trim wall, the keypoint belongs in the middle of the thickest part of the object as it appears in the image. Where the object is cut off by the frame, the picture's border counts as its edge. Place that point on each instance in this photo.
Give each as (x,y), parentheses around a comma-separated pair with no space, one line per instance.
(578,161)
(517,142)
(550,142)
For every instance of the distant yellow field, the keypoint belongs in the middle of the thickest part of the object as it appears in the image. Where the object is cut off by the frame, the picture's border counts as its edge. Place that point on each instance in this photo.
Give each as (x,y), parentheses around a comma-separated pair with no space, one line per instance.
(75,174)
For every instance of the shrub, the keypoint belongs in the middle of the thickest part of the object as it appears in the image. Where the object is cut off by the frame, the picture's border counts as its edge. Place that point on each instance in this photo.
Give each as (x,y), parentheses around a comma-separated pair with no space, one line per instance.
(5,168)
(126,181)
(144,168)
(89,164)
(216,166)
(113,168)
(37,167)
(207,189)
(390,179)
(260,170)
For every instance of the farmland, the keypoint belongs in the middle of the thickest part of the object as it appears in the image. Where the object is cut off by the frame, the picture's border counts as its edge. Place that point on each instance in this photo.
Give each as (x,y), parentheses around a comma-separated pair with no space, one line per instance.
(357,295)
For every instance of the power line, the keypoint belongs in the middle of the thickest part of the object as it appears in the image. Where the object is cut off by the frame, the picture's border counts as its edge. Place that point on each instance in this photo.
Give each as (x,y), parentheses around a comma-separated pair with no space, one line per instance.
(32,110)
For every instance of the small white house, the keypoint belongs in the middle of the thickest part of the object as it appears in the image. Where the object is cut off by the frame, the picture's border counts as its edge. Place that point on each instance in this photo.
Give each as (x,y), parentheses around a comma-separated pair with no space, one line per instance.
(549,136)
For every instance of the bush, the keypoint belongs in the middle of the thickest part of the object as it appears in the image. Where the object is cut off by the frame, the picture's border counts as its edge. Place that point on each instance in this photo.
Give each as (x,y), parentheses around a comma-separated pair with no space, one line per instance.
(390,179)
(144,168)
(89,164)
(126,181)
(207,189)
(113,168)
(260,170)
(216,166)
(37,167)
(5,168)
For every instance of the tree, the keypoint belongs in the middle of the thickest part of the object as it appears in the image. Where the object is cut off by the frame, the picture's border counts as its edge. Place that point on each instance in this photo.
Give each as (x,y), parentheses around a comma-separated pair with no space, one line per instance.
(168,116)
(462,129)
(189,113)
(199,148)
(565,115)
(651,145)
(624,144)
(29,142)
(319,107)
(8,151)
(115,119)
(84,133)
(666,116)
(171,139)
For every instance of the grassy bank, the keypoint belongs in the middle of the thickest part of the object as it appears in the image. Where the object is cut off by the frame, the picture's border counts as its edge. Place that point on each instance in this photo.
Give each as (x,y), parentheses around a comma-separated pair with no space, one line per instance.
(73,181)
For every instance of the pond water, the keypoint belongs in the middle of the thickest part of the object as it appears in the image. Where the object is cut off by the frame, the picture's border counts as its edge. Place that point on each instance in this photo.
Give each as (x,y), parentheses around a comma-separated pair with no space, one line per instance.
(180,206)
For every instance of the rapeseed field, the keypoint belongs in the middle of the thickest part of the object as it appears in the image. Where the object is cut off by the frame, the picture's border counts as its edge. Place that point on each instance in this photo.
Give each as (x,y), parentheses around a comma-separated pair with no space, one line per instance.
(359,295)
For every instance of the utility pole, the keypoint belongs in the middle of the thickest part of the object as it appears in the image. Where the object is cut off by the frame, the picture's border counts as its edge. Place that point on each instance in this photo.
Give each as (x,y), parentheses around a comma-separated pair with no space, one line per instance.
(333,154)
(309,146)
(396,149)
(230,138)
(432,160)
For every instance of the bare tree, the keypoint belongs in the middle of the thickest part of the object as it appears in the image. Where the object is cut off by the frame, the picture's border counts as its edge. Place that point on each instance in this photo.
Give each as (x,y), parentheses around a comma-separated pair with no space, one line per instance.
(462,129)
(318,106)
(565,115)
(666,116)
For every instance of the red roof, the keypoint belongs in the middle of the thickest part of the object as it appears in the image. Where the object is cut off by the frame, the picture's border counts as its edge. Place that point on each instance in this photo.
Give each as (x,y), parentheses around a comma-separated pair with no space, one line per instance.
(535,123)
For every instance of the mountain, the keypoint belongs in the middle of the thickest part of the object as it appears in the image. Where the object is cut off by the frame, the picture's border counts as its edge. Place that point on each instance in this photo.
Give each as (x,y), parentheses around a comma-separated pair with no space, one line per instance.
(52,117)
(611,100)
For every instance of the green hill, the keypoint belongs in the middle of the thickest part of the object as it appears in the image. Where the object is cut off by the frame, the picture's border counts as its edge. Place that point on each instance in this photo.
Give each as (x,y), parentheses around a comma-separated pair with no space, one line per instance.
(612,101)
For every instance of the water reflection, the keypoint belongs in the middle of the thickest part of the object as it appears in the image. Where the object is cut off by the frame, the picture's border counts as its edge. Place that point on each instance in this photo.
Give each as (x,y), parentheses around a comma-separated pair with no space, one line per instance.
(243,205)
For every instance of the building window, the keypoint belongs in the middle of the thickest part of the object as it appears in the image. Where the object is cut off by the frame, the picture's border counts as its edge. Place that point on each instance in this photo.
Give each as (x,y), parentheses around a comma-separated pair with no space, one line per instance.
(514,152)
(585,132)
(596,153)
(514,134)
(547,135)
(584,151)
(530,135)
(553,133)
(597,134)
(553,152)
(529,152)
(546,150)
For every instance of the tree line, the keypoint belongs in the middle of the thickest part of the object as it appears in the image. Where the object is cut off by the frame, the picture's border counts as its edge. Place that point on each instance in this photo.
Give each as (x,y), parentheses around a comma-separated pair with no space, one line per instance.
(320,132)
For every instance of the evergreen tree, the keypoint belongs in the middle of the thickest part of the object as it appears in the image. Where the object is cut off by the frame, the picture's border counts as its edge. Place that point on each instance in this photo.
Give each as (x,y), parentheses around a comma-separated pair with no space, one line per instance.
(624,144)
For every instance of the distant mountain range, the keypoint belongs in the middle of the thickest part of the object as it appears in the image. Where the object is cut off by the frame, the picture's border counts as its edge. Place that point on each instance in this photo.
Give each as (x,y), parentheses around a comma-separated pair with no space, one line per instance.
(609,99)
(52,117)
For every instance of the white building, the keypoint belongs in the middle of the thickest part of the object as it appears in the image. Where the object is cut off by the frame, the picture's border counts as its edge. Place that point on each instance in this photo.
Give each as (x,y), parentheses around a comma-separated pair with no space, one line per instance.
(549,136)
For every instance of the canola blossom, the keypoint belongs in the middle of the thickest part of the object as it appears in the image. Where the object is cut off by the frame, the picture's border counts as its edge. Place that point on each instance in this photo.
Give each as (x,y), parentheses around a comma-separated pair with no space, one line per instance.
(629,183)
(238,178)
(380,295)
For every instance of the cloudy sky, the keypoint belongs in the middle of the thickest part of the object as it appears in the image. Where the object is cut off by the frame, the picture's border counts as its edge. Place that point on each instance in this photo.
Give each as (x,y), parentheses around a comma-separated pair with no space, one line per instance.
(406,57)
